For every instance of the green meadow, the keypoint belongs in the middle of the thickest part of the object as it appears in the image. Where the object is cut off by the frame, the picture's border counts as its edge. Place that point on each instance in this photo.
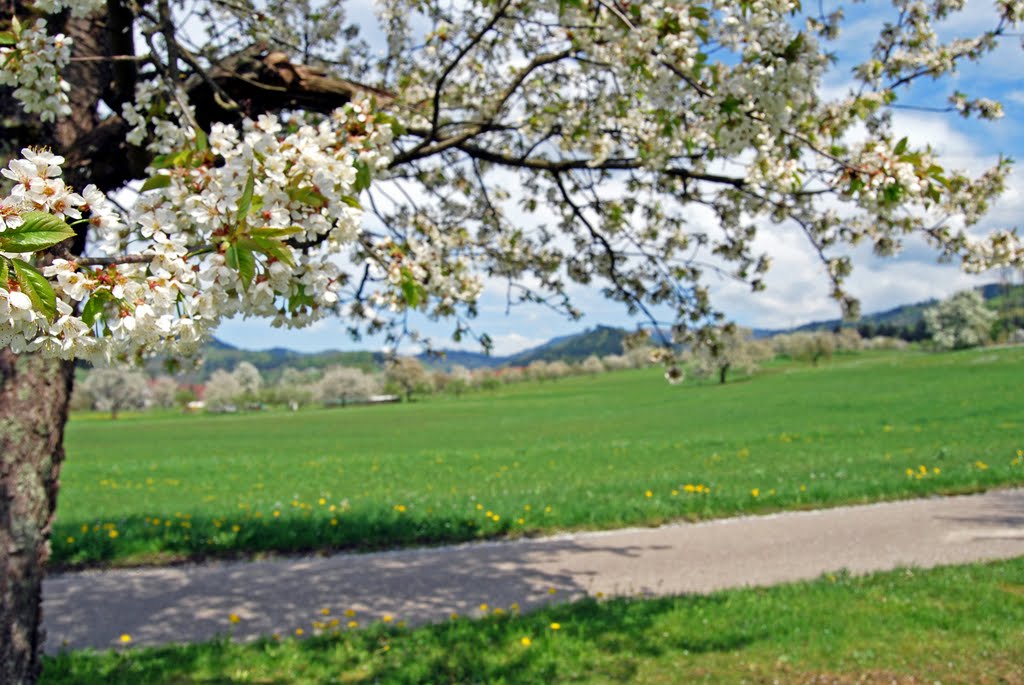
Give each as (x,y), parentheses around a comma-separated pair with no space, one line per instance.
(605,451)
(951,625)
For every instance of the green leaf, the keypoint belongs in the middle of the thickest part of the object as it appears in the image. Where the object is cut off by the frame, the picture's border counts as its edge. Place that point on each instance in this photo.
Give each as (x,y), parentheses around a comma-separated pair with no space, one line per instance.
(5,274)
(92,310)
(35,285)
(307,196)
(901,147)
(246,202)
(202,144)
(8,38)
(242,260)
(792,51)
(154,182)
(363,176)
(276,232)
(413,291)
(270,247)
(351,201)
(37,232)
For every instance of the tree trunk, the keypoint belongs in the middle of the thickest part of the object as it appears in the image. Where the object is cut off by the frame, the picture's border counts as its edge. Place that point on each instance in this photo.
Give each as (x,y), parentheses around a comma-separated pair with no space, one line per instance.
(722,371)
(34,394)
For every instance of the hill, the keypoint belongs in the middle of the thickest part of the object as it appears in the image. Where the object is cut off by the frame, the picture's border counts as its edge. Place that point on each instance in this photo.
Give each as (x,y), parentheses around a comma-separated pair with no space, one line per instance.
(905,321)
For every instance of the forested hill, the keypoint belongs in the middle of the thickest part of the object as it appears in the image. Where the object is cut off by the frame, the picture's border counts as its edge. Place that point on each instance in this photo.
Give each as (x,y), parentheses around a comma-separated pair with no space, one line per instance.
(904,321)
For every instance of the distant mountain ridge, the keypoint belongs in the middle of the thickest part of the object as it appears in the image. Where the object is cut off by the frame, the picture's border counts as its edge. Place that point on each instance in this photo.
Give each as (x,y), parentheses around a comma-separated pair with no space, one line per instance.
(600,340)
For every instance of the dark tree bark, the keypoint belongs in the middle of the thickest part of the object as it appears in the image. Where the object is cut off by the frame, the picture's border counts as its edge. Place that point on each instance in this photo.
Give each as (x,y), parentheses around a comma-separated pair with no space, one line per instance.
(722,373)
(34,394)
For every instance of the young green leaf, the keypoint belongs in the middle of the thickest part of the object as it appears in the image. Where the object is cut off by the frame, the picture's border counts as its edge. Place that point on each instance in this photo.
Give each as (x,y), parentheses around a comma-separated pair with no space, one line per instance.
(8,38)
(270,247)
(245,203)
(36,287)
(363,176)
(241,259)
(307,196)
(901,147)
(154,182)
(91,311)
(37,232)
(5,274)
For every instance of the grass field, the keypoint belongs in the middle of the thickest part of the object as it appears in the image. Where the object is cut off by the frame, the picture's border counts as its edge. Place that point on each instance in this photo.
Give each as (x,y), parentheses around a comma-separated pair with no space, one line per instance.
(595,452)
(952,625)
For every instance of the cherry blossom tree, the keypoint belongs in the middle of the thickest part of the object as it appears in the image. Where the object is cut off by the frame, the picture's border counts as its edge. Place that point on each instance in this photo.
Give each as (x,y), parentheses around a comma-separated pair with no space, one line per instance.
(172,165)
(960,322)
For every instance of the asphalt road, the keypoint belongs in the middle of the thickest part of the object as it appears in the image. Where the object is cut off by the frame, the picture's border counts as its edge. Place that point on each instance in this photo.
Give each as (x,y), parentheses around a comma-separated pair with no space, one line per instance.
(195,602)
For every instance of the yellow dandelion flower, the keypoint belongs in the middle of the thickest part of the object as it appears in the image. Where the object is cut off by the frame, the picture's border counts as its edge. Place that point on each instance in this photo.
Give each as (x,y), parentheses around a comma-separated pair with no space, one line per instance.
(350,613)
(525,641)
(980,465)
(300,632)
(552,590)
(484,607)
(495,518)
(387,618)
(113,534)
(479,507)
(234,618)
(276,513)
(235,528)
(756,492)
(125,638)
(556,626)
(648,493)
(71,540)
(675,492)
(453,616)
(325,611)
(321,501)
(803,488)
(353,624)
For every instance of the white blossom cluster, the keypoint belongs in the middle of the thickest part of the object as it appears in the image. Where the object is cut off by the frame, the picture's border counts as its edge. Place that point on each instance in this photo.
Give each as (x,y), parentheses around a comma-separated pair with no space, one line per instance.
(255,224)
(32,67)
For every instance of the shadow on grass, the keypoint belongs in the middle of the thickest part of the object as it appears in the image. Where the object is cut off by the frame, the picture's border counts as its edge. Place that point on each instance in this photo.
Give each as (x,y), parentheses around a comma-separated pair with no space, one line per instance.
(604,639)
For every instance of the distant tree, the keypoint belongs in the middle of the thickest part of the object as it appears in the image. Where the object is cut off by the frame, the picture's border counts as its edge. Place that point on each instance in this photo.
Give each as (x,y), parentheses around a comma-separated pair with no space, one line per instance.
(592,365)
(249,380)
(848,340)
(344,385)
(537,370)
(408,374)
(616,362)
(162,392)
(295,388)
(736,349)
(960,322)
(558,369)
(222,392)
(807,347)
(116,389)
(459,380)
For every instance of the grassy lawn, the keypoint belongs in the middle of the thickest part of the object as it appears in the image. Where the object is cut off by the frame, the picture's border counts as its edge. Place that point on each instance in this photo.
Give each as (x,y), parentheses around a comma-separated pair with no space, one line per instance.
(590,452)
(952,625)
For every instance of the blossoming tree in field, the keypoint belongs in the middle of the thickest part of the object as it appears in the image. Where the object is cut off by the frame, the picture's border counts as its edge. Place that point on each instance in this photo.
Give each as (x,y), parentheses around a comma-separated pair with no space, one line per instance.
(173,164)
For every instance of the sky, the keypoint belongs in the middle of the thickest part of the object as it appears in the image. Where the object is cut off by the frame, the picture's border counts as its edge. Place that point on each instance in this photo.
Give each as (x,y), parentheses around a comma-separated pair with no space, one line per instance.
(797,289)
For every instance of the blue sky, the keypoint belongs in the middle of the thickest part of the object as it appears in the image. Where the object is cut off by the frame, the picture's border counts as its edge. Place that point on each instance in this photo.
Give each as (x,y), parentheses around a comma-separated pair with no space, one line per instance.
(797,290)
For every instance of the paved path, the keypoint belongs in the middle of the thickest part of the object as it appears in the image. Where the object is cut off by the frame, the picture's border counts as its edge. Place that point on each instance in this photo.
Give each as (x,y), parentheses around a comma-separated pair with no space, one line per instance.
(191,603)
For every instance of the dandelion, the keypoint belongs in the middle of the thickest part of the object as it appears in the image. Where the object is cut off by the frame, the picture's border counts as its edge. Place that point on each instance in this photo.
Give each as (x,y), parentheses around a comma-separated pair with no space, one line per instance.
(756,492)
(113,534)
(349,613)
(125,638)
(484,608)
(556,626)
(648,493)
(552,590)
(325,611)
(235,528)
(980,465)
(71,540)
(387,618)
(353,624)
(453,616)
(300,632)
(234,618)
(321,501)
(525,641)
